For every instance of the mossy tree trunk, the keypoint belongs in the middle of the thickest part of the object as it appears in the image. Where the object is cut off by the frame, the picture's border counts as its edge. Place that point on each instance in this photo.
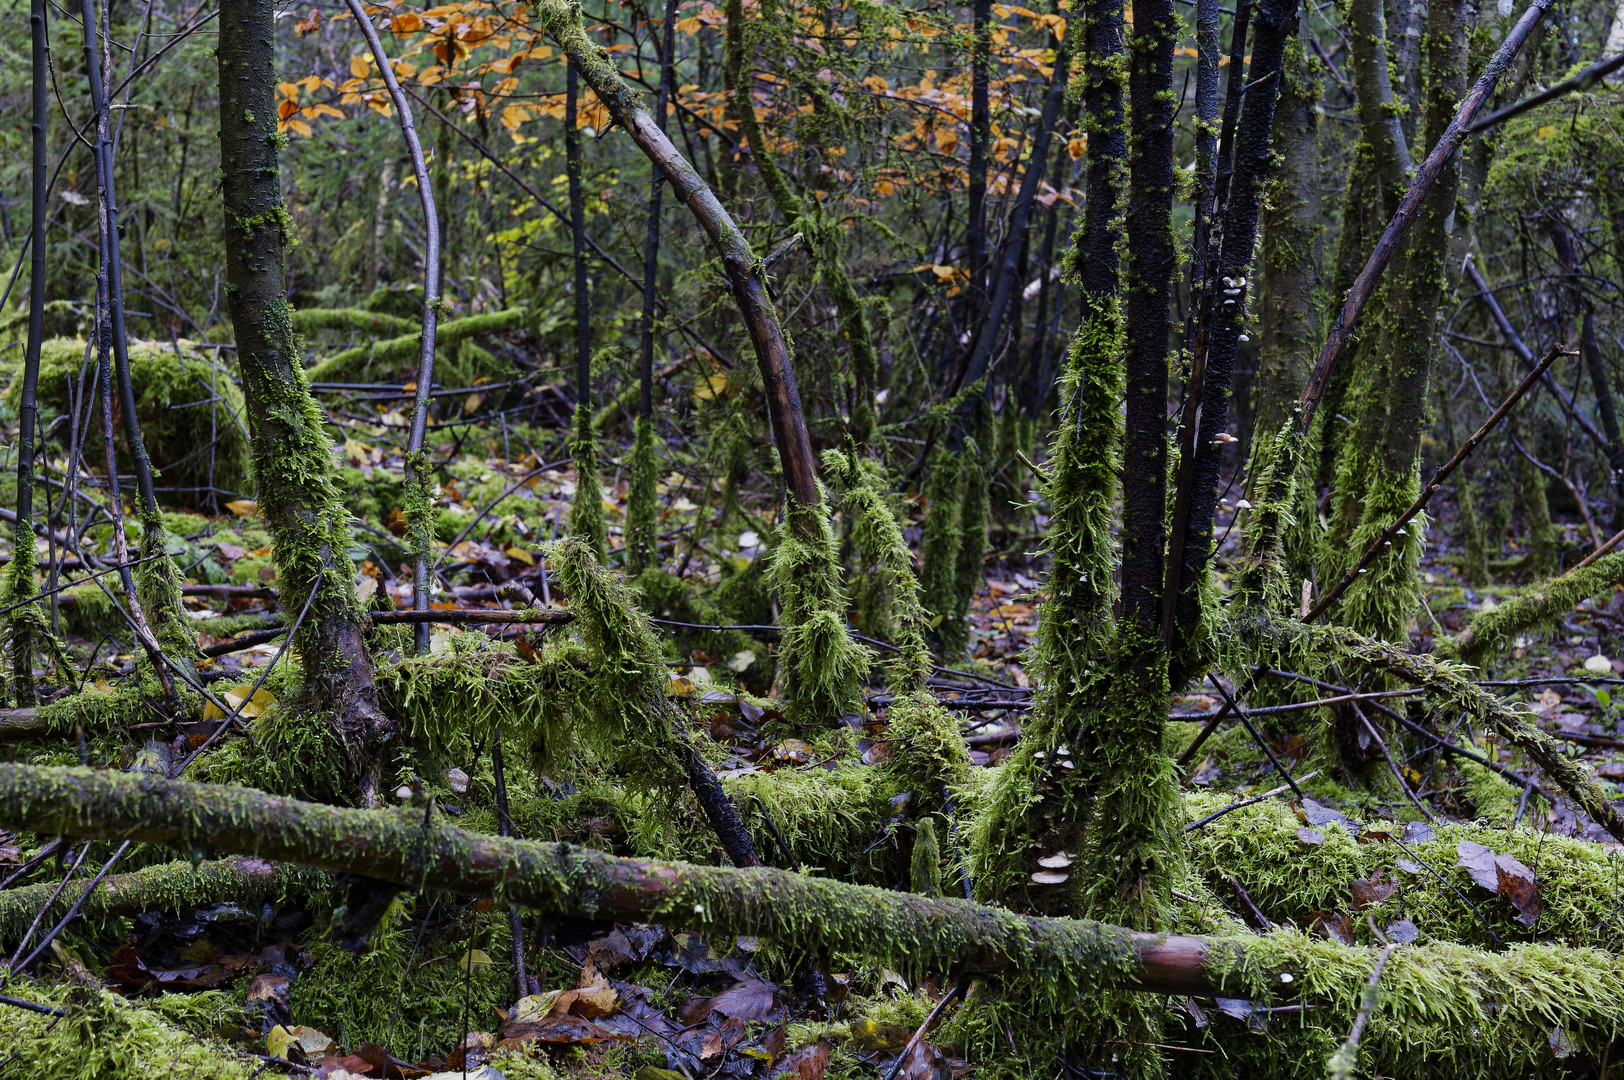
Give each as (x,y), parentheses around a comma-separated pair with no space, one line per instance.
(1289,290)
(1378,474)
(1190,548)
(17,583)
(586,509)
(814,606)
(292,454)
(820,233)
(642,543)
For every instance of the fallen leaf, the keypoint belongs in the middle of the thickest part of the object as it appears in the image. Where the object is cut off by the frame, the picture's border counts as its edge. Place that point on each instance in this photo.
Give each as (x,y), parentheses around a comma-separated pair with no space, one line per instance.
(868,1034)
(1402,931)
(807,1063)
(1371,890)
(242,507)
(1312,837)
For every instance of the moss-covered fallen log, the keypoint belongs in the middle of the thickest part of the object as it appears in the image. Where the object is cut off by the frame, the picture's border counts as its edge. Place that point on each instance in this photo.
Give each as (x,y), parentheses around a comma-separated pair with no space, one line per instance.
(351,320)
(166,887)
(395,351)
(1446,683)
(1539,606)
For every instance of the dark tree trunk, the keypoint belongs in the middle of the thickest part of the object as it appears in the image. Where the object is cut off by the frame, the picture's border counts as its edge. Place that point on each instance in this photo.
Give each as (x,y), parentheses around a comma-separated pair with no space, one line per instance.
(292,456)
(1276,20)
(1147,310)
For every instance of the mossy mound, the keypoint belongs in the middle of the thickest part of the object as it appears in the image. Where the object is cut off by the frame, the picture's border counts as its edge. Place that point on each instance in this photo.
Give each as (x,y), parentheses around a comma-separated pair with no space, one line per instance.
(193,418)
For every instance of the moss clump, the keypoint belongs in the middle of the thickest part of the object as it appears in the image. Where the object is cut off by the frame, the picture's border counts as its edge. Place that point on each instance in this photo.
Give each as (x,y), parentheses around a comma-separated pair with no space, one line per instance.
(892,588)
(191,410)
(23,630)
(822,670)
(106,1037)
(1535,608)
(586,509)
(642,517)
(925,866)
(939,548)
(1383,599)
(357,994)
(954,630)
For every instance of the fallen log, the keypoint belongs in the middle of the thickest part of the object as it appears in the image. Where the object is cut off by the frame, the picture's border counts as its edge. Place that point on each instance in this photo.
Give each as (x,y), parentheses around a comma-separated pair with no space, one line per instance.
(166,887)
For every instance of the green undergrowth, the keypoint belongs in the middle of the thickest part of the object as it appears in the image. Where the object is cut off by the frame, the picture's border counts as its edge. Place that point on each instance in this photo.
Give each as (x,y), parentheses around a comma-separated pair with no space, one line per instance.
(187,402)
(1290,879)
(448,984)
(821,668)
(106,1037)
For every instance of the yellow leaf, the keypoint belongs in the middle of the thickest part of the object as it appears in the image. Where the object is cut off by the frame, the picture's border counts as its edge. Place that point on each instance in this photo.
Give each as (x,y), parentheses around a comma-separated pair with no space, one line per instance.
(710,386)
(678,687)
(521,554)
(359,67)
(473,403)
(1545,132)
(242,507)
(288,90)
(237,699)
(475,958)
(277,1042)
(534,1008)
(300,128)
(405,23)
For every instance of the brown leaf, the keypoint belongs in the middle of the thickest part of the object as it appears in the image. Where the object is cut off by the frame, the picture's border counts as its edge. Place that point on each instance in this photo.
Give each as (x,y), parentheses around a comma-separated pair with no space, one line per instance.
(807,1063)
(1337,926)
(1371,890)
(1478,861)
(1518,885)
(924,1062)
(1312,837)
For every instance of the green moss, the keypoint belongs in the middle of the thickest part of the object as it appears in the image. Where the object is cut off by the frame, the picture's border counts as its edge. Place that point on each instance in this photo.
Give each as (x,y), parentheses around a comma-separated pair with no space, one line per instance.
(925,865)
(642,518)
(586,509)
(185,400)
(1383,600)
(972,549)
(1535,608)
(891,590)
(23,630)
(939,547)
(358,994)
(106,1037)
(821,669)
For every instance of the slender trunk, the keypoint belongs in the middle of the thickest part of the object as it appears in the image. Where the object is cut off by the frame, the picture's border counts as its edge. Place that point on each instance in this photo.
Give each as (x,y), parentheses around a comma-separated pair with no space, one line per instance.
(103,149)
(818,231)
(292,455)
(583,297)
(1191,543)
(739,261)
(1596,365)
(1147,311)
(1290,282)
(419,503)
(980,136)
(18,583)
(641,518)
(1378,471)
(1379,116)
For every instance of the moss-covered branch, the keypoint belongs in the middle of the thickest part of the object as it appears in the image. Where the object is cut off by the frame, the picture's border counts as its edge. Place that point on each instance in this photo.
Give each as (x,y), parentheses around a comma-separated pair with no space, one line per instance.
(1491,1001)
(351,320)
(1447,683)
(166,887)
(404,349)
(1540,605)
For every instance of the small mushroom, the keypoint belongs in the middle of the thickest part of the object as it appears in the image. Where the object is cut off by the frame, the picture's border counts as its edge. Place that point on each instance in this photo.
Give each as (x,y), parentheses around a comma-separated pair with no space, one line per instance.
(1048,877)
(1058,861)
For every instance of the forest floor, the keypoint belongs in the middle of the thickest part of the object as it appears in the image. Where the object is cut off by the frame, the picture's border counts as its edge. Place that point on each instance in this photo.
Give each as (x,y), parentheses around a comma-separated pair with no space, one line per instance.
(612,1000)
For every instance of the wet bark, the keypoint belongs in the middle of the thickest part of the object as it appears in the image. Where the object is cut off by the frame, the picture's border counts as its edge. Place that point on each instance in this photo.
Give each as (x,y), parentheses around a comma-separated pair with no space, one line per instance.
(292,455)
